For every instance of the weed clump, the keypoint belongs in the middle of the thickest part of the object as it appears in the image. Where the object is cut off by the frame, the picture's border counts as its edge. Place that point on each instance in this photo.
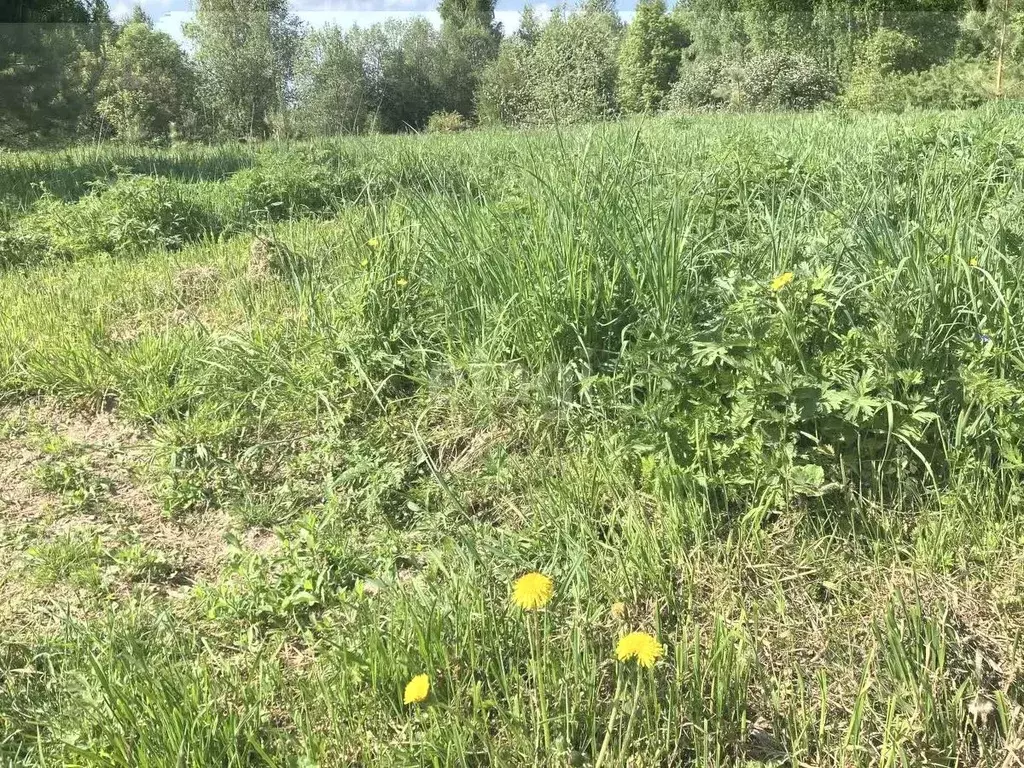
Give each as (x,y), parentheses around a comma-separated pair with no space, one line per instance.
(125,217)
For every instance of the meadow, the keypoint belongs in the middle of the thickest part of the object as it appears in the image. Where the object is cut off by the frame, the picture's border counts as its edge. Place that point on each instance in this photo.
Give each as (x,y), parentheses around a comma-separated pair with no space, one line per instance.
(282,425)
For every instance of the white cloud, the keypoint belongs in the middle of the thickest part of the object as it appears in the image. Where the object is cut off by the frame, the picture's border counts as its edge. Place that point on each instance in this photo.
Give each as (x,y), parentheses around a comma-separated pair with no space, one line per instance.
(120,10)
(171,23)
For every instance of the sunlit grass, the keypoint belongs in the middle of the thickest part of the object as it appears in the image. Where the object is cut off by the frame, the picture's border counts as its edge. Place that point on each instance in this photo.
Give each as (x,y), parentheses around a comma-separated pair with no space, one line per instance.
(665,443)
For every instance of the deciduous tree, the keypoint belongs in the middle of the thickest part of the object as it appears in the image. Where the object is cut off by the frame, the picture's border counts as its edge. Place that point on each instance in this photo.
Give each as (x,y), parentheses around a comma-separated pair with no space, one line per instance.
(649,58)
(243,50)
(146,84)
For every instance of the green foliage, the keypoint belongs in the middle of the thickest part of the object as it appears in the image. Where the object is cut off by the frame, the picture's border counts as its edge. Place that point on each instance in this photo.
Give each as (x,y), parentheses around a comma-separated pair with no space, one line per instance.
(889,51)
(464,53)
(244,55)
(446,122)
(575,65)
(126,217)
(749,383)
(956,84)
(786,81)
(649,57)
(331,89)
(505,96)
(404,77)
(66,472)
(717,28)
(460,13)
(701,86)
(999,27)
(21,247)
(874,83)
(146,85)
(50,59)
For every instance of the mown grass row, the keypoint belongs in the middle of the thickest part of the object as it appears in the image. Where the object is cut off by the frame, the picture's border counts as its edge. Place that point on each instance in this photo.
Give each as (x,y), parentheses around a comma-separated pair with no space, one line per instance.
(754,383)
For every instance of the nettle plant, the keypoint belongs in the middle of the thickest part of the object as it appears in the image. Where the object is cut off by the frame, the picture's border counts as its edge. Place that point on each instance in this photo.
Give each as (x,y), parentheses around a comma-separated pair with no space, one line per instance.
(126,216)
(788,389)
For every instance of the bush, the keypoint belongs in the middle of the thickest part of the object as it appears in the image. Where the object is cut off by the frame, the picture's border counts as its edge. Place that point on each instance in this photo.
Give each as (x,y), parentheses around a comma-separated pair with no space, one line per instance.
(19,248)
(446,122)
(505,96)
(287,185)
(701,86)
(649,57)
(958,84)
(779,80)
(888,51)
(130,215)
(954,85)
(875,82)
(575,64)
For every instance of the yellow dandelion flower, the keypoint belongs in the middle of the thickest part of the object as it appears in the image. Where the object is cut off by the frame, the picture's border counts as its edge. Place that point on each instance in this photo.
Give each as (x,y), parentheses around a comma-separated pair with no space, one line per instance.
(417,690)
(532,591)
(640,646)
(782,281)
(364,263)
(973,262)
(619,610)
(401,281)
(373,242)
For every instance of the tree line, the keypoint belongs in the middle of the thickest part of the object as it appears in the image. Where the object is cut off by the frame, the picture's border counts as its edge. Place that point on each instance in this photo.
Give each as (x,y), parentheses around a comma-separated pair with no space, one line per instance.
(68,71)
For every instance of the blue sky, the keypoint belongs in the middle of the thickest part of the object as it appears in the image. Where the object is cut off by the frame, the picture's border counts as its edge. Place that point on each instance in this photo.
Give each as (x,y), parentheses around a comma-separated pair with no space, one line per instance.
(169,15)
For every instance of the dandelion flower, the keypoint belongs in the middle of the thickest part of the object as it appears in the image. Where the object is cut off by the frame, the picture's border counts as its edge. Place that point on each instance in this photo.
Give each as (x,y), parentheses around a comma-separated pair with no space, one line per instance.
(417,690)
(373,242)
(532,591)
(364,263)
(973,262)
(782,281)
(401,281)
(639,646)
(619,610)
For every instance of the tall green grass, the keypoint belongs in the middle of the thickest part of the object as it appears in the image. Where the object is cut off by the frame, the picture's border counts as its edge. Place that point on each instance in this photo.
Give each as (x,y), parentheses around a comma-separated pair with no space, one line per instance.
(447,361)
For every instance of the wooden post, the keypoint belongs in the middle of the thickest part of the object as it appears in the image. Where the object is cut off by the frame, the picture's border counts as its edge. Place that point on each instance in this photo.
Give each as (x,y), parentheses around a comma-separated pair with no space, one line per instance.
(1002,46)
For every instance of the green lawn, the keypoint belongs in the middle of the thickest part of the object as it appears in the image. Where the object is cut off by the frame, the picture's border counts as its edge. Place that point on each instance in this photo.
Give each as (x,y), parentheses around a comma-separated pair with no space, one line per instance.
(281,425)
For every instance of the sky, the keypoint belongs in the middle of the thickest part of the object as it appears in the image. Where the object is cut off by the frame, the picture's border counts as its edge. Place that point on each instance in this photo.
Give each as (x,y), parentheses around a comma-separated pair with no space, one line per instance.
(169,15)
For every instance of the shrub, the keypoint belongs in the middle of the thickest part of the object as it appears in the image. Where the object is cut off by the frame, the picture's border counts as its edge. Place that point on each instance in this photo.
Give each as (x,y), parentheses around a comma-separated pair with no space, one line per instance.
(288,184)
(130,215)
(779,80)
(889,51)
(649,58)
(701,86)
(146,85)
(953,85)
(505,96)
(957,84)
(18,248)
(446,122)
(874,83)
(576,67)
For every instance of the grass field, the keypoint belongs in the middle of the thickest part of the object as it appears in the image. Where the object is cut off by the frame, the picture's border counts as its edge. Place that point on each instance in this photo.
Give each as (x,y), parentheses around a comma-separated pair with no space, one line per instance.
(282,425)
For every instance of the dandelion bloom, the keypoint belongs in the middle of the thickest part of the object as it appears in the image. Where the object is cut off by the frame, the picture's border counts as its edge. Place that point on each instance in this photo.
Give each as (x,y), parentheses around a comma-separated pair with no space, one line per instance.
(373,242)
(532,591)
(417,689)
(973,262)
(640,646)
(402,281)
(782,281)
